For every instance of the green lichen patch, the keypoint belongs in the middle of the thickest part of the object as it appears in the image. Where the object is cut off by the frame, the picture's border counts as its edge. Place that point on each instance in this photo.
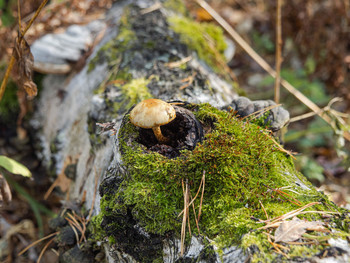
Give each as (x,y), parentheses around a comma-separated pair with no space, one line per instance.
(177,6)
(113,50)
(206,39)
(133,92)
(243,168)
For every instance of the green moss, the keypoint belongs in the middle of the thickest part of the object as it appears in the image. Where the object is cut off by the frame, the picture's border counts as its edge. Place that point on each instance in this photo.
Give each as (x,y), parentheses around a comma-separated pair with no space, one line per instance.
(206,39)
(175,5)
(113,50)
(111,240)
(133,92)
(303,251)
(260,242)
(242,166)
(95,227)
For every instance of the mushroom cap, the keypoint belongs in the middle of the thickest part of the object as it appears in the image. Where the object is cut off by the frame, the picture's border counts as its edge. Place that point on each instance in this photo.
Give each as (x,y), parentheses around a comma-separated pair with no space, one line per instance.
(152,113)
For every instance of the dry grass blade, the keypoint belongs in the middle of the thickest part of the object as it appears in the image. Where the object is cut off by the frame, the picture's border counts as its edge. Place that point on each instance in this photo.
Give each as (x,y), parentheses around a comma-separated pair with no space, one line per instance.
(294,212)
(195,218)
(283,194)
(277,220)
(267,216)
(178,63)
(36,242)
(152,8)
(319,212)
(81,225)
(44,249)
(188,215)
(70,218)
(201,202)
(280,147)
(19,16)
(327,110)
(276,247)
(278,50)
(184,218)
(195,197)
(74,230)
(251,52)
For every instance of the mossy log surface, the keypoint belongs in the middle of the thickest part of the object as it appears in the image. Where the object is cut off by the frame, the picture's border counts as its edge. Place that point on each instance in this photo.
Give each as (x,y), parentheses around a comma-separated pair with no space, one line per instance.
(247,176)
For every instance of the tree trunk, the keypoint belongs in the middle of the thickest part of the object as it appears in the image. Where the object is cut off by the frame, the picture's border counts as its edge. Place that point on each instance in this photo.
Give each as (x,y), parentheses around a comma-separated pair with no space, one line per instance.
(141,56)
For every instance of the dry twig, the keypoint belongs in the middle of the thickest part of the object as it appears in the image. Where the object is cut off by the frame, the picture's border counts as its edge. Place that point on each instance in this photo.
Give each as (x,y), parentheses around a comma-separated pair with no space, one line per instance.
(278,51)
(36,242)
(184,218)
(44,249)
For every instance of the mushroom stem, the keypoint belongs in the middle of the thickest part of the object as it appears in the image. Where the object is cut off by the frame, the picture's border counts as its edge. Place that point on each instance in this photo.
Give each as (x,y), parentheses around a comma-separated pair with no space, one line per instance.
(158,133)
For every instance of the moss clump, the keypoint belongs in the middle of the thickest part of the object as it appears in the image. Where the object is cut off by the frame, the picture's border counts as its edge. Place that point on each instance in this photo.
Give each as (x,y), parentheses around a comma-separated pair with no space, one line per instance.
(206,39)
(112,51)
(176,5)
(242,166)
(133,92)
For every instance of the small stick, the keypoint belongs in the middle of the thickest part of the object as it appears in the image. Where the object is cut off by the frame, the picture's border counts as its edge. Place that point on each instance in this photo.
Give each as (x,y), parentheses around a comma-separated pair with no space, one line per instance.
(184,219)
(195,218)
(278,51)
(44,249)
(267,216)
(19,17)
(200,204)
(199,188)
(36,242)
(276,247)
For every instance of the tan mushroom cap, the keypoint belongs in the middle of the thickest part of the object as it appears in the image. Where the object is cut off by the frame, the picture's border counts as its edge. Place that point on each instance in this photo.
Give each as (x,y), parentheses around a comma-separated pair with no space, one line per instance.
(151,113)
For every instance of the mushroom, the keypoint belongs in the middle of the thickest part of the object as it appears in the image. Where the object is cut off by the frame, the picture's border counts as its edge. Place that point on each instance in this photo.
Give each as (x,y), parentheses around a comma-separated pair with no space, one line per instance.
(151,114)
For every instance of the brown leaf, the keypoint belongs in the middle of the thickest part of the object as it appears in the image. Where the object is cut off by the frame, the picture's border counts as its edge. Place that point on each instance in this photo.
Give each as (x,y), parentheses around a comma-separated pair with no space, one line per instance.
(292,230)
(23,68)
(203,15)
(5,191)
(62,181)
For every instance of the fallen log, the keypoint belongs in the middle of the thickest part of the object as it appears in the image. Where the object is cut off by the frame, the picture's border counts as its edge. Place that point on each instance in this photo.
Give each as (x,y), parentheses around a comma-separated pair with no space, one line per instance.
(215,192)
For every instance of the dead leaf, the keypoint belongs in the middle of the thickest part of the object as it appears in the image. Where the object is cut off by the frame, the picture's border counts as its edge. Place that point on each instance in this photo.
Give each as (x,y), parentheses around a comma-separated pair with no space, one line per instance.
(23,68)
(203,15)
(292,230)
(62,181)
(5,191)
